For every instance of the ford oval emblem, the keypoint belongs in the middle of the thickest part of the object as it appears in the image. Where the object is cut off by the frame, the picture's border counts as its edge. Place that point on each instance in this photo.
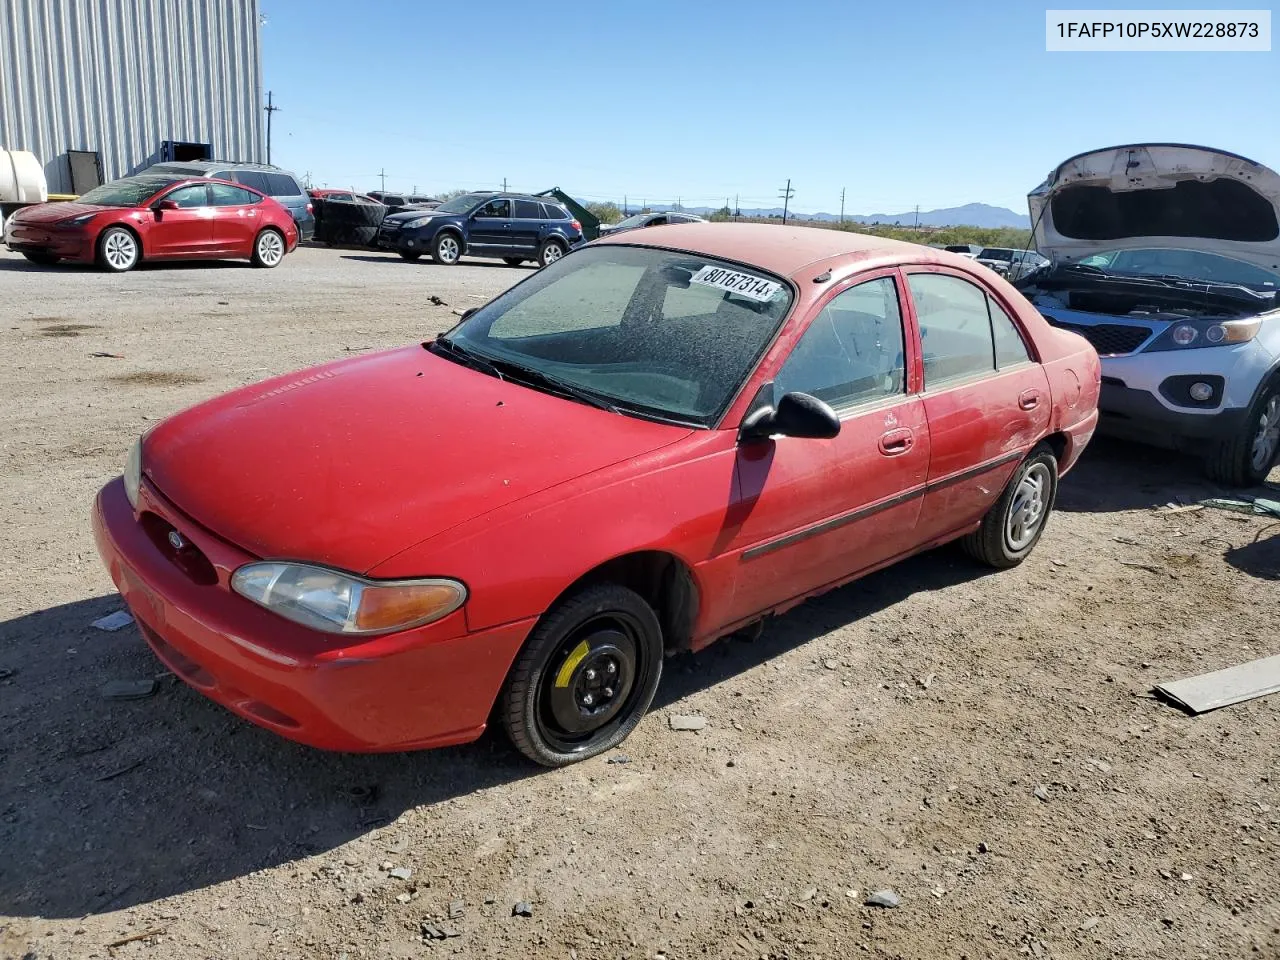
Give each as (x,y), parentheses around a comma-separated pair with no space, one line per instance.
(177,540)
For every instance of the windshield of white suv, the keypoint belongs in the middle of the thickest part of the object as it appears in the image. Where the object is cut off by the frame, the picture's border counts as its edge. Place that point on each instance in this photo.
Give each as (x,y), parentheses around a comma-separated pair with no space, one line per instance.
(996,253)
(650,332)
(128,192)
(1187,264)
(636,221)
(461,204)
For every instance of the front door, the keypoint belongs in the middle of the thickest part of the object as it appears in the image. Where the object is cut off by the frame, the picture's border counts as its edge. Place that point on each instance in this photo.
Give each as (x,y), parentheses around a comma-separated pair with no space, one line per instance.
(819,511)
(186,231)
(527,225)
(491,227)
(987,403)
(237,219)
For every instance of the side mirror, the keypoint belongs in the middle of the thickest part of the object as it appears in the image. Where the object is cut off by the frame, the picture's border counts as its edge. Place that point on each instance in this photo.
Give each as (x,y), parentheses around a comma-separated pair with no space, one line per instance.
(797,415)
(165,205)
(468,312)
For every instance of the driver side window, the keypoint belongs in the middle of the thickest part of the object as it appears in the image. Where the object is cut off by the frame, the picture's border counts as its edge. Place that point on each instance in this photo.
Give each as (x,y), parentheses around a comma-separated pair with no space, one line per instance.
(852,351)
(190,197)
(495,208)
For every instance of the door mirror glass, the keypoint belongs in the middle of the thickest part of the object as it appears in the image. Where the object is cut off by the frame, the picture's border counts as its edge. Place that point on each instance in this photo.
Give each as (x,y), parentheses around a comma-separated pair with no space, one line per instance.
(796,415)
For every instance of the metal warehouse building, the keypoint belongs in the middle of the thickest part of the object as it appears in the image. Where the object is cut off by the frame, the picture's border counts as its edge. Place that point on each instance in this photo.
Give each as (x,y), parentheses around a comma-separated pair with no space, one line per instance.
(99,89)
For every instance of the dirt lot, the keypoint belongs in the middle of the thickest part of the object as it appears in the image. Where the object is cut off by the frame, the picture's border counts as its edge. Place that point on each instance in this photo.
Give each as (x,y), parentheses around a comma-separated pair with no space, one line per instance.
(890,735)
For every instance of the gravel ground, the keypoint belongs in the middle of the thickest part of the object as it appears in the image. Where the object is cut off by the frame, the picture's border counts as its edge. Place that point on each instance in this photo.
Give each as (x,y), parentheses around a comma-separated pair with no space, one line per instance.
(984,745)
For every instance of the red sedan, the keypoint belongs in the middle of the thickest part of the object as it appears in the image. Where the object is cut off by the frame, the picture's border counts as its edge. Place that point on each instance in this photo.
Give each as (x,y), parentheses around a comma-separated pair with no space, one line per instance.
(155,217)
(657,441)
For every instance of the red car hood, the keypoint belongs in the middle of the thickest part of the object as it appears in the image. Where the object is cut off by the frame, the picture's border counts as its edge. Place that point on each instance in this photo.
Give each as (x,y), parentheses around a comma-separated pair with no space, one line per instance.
(349,463)
(49,212)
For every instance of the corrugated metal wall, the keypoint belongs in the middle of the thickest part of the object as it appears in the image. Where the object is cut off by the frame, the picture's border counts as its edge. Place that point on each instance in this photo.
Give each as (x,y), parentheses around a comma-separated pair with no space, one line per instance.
(121,76)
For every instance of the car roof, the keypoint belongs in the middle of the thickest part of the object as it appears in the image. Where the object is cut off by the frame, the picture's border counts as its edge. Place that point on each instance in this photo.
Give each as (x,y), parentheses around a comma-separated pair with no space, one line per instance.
(781,250)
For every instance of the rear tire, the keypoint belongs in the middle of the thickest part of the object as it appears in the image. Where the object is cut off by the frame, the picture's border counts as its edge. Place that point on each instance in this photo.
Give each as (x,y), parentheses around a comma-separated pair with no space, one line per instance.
(585,677)
(44,259)
(269,248)
(551,251)
(1245,459)
(1013,525)
(118,250)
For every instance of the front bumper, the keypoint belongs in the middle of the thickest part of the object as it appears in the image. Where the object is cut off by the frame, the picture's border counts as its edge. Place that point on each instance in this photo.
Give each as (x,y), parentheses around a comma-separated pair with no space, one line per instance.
(428,687)
(1133,414)
(64,244)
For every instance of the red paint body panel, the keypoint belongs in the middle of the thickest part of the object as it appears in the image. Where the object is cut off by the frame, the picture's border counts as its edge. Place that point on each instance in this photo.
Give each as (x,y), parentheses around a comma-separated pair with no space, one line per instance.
(198,233)
(404,464)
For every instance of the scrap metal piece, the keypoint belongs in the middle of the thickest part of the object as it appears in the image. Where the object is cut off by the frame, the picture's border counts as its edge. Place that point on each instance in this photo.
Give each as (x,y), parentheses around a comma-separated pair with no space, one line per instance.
(1222,688)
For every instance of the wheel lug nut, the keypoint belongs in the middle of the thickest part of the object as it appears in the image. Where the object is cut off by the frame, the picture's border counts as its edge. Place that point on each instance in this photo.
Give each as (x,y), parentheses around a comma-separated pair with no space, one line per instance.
(611,668)
(588,699)
(591,674)
(608,692)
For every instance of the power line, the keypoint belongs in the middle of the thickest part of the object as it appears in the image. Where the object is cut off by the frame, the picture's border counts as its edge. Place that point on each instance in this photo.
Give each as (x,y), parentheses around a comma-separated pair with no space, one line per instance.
(786,196)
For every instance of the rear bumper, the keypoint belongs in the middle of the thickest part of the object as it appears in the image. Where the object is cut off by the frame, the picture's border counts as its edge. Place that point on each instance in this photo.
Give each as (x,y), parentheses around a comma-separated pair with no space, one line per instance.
(421,688)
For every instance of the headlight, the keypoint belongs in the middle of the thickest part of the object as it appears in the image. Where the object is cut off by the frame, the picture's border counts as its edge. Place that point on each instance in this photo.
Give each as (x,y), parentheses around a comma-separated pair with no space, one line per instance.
(419,222)
(1201,333)
(77,221)
(133,472)
(335,602)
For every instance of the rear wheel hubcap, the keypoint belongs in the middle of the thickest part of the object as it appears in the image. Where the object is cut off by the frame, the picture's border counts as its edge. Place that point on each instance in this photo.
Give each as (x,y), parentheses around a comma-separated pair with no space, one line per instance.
(1027,508)
(270,249)
(553,253)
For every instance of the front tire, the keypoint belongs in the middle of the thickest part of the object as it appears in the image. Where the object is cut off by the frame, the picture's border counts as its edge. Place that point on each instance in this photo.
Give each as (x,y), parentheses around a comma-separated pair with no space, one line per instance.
(410,256)
(513,261)
(44,259)
(446,249)
(585,677)
(1245,459)
(550,251)
(118,250)
(1013,525)
(268,249)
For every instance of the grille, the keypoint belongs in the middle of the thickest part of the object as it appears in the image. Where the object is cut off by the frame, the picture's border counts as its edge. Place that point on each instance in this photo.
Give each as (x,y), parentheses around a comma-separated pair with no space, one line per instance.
(1107,338)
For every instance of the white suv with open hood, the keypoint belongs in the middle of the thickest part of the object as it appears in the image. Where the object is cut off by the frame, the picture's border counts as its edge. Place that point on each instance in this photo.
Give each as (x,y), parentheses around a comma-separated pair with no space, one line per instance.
(1167,259)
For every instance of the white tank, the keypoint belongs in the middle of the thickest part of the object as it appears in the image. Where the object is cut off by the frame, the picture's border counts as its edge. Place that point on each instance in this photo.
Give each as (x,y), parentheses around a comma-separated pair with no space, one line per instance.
(21,178)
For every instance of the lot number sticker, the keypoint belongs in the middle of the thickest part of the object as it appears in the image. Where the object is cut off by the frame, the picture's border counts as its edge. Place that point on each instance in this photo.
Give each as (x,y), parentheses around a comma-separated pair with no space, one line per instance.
(743,284)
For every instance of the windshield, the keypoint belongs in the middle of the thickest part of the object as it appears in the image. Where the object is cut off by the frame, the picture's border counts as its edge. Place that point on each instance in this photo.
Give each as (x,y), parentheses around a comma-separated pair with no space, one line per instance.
(128,192)
(461,204)
(1187,264)
(653,332)
(636,221)
(995,253)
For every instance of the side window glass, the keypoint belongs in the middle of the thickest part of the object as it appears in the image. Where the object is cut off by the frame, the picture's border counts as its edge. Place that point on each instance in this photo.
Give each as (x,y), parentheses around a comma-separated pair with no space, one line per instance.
(1010,348)
(254,180)
(189,197)
(495,208)
(528,210)
(225,195)
(554,212)
(955,328)
(852,351)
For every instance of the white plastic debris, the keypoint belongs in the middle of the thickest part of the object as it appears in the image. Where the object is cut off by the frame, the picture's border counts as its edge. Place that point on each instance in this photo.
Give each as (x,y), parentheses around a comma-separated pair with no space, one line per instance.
(113,621)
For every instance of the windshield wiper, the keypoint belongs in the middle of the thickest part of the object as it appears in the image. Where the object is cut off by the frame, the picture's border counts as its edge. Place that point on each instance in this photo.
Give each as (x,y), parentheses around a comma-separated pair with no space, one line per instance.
(535,378)
(467,357)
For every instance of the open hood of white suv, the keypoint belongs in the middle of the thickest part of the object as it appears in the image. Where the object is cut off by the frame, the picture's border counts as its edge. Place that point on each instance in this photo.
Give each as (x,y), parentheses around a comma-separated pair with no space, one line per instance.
(1159,195)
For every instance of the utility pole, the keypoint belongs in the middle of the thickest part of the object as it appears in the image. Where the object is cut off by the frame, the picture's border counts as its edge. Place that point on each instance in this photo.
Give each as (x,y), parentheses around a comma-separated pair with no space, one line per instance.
(916,225)
(270,108)
(504,184)
(383,175)
(842,204)
(625,213)
(737,210)
(786,196)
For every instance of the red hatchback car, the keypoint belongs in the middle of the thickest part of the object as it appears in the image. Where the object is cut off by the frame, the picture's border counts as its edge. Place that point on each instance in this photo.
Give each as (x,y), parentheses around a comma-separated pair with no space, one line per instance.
(155,217)
(654,442)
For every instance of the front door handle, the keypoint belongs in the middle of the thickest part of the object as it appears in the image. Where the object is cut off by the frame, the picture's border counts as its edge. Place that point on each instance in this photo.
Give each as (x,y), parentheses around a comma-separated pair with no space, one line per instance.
(1029,400)
(897,442)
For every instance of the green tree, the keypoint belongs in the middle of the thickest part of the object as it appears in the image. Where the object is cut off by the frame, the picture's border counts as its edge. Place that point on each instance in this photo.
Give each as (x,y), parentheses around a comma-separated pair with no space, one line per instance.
(724,213)
(605,212)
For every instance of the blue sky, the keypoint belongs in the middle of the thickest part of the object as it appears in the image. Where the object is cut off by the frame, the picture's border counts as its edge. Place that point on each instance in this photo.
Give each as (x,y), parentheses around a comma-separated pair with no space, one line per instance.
(899,103)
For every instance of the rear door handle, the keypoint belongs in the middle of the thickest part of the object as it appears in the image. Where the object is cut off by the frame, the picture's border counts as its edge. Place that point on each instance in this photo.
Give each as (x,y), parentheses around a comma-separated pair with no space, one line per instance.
(897,442)
(1029,400)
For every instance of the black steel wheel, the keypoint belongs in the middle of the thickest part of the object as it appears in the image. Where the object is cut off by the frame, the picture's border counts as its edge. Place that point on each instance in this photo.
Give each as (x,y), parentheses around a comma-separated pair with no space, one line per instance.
(585,677)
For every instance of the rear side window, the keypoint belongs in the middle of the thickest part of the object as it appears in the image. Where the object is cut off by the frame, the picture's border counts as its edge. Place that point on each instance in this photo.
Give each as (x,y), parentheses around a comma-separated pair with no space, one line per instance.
(1010,349)
(391,201)
(225,195)
(955,328)
(283,185)
(554,212)
(253,179)
(528,210)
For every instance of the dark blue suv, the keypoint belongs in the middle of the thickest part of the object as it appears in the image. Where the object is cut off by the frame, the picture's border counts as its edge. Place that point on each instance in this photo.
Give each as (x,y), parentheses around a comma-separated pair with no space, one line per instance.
(513,227)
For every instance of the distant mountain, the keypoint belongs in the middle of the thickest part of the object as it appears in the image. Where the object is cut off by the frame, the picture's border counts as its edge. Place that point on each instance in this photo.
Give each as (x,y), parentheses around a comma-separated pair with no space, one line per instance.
(969,215)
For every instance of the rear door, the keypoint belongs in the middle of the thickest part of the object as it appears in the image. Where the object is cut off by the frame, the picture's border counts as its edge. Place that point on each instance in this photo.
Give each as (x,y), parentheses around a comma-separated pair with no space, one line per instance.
(237,218)
(491,227)
(527,226)
(987,401)
(820,511)
(186,231)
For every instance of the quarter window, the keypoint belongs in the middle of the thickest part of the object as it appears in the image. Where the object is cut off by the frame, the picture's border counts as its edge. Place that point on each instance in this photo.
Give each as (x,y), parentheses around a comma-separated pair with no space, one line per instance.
(528,210)
(1010,349)
(189,197)
(852,351)
(555,213)
(283,185)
